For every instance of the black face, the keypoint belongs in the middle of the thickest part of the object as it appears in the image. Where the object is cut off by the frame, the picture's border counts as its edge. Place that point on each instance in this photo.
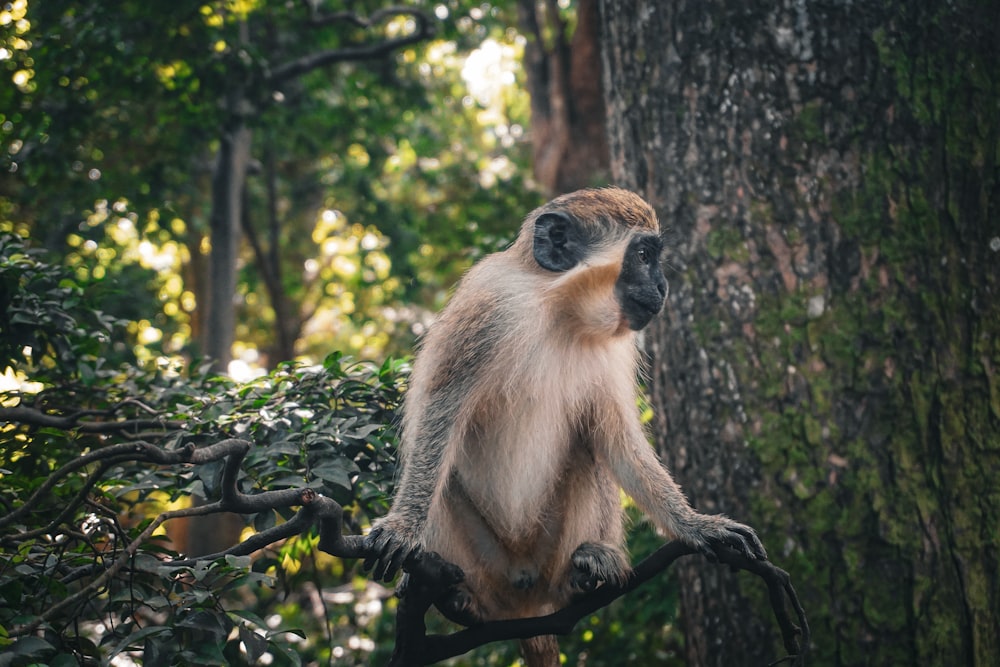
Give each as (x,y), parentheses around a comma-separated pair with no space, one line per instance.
(641,287)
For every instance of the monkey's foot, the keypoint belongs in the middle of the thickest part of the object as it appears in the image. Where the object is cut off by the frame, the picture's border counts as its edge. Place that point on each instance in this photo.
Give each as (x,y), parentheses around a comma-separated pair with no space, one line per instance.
(595,563)
(457,606)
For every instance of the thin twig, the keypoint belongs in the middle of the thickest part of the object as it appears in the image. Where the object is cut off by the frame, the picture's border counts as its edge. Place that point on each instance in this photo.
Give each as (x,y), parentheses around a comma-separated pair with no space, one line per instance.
(81,497)
(135,451)
(233,448)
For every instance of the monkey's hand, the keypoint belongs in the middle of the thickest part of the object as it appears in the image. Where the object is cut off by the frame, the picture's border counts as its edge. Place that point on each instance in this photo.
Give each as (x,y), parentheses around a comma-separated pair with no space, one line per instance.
(390,542)
(710,532)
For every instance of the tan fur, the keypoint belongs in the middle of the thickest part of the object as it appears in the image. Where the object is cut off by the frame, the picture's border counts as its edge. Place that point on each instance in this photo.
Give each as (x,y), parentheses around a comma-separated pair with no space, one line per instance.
(520,424)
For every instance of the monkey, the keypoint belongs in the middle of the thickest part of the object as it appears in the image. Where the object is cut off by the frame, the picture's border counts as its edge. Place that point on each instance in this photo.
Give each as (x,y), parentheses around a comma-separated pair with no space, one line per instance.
(520,425)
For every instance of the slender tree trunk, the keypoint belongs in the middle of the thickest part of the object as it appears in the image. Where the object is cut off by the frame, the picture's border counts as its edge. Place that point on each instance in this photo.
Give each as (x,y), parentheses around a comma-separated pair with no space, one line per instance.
(217,532)
(828,368)
(227,202)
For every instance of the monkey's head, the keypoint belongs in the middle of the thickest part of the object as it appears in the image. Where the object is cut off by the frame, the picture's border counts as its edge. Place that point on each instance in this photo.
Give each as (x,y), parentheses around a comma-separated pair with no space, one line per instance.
(602,248)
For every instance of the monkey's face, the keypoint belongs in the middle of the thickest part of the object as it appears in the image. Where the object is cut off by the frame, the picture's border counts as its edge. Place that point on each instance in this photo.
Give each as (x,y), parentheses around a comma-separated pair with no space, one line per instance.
(641,287)
(633,277)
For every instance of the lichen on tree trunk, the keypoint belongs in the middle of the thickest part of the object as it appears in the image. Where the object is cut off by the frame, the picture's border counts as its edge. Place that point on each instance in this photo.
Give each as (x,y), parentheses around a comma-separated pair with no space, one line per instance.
(827,368)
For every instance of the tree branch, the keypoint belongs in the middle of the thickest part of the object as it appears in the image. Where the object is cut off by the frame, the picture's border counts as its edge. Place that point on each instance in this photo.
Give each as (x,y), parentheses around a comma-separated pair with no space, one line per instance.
(307,63)
(317,19)
(36,417)
(79,499)
(233,451)
(432,578)
(131,451)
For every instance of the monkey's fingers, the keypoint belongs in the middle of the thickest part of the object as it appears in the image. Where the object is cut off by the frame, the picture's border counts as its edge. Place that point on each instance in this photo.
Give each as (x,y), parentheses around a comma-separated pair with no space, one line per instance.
(374,543)
(386,553)
(744,539)
(383,571)
(707,549)
(381,544)
(752,545)
(391,561)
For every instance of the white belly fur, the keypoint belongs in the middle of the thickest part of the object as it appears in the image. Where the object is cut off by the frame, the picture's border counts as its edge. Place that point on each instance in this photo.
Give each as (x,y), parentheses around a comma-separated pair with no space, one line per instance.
(511,465)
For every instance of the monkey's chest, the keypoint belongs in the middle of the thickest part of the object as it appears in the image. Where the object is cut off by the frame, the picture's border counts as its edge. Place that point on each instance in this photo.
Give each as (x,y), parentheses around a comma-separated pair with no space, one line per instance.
(525,444)
(514,468)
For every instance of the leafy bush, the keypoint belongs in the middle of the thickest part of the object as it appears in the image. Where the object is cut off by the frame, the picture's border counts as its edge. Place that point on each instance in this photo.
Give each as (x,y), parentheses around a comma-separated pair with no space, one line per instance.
(45,323)
(83,577)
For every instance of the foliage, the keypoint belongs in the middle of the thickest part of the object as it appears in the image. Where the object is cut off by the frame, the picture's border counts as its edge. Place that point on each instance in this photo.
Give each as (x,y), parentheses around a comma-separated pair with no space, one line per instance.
(44,325)
(373,184)
(327,428)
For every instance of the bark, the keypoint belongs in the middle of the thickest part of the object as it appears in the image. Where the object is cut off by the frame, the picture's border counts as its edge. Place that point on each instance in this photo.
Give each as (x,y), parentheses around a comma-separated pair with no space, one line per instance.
(827,367)
(563,72)
(288,323)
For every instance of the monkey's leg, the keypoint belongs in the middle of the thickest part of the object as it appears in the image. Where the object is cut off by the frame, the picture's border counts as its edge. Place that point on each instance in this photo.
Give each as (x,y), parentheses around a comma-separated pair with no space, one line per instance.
(596,562)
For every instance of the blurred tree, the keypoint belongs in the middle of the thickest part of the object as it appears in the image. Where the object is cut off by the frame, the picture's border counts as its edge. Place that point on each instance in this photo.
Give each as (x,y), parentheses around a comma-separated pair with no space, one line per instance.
(827,368)
(562,66)
(280,61)
(343,145)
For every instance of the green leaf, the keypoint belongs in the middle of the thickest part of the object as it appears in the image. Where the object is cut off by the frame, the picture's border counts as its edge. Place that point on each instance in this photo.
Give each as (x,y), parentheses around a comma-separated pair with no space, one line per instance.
(238,562)
(255,644)
(336,473)
(134,638)
(33,648)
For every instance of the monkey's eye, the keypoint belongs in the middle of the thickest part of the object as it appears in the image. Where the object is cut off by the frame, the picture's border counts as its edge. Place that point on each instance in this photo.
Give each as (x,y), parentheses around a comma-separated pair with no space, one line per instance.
(642,254)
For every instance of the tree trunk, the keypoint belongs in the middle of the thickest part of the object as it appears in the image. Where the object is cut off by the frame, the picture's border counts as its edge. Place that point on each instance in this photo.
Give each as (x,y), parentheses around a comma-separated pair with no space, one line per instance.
(216,532)
(828,367)
(227,202)
(567,105)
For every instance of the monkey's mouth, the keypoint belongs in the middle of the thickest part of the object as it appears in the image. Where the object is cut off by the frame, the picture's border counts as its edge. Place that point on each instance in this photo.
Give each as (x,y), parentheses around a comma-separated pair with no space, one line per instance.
(639,313)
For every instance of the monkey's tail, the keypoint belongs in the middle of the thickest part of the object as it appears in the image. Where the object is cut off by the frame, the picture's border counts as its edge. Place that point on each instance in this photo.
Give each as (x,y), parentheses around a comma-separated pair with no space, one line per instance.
(540,651)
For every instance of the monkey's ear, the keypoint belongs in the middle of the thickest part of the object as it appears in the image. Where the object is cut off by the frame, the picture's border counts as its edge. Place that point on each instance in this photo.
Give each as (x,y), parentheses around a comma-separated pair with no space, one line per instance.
(559,245)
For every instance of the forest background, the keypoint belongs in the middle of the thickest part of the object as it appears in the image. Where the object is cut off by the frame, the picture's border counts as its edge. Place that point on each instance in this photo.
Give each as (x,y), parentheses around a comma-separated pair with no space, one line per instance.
(233,219)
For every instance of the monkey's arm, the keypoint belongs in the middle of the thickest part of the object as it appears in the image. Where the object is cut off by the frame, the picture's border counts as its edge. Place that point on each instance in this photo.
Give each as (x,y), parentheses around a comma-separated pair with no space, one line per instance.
(455,351)
(397,535)
(644,478)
